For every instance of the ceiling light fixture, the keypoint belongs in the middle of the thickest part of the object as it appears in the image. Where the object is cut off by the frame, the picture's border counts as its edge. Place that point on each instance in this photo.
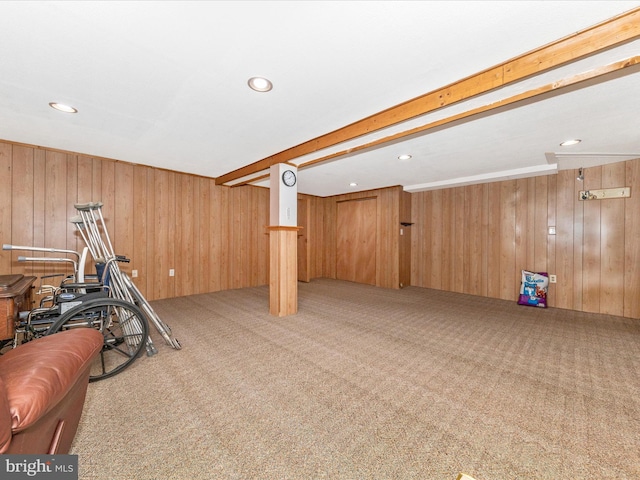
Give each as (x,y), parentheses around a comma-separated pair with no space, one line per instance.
(568,143)
(260,84)
(61,107)
(404,157)
(353,184)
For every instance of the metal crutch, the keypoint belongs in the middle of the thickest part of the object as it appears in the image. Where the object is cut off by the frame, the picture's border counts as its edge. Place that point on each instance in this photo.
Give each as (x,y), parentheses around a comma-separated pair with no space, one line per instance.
(90,223)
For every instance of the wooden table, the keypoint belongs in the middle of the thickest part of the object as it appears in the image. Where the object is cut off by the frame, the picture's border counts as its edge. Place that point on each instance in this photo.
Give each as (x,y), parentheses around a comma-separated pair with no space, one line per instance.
(15,296)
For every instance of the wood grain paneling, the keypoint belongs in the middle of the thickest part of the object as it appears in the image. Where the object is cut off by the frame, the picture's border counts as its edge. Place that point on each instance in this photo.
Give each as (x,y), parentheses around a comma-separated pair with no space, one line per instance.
(473,239)
(139,259)
(564,267)
(185,233)
(304,253)
(405,240)
(21,216)
(594,253)
(356,240)
(591,253)
(632,243)
(202,257)
(6,204)
(494,241)
(612,244)
(387,234)
(314,235)
(160,219)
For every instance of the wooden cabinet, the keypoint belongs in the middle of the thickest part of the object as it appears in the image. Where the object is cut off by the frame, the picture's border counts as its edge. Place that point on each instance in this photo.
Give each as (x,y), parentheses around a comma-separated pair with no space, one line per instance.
(15,296)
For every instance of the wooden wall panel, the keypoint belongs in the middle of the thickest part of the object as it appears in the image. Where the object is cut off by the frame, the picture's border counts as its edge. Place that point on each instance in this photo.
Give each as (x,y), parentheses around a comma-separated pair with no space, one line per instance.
(564,239)
(185,234)
(21,214)
(388,221)
(73,241)
(477,215)
(107,197)
(6,205)
(152,272)
(123,226)
(39,200)
(447,219)
(164,233)
(417,266)
(475,239)
(552,220)
(139,258)
(612,245)
(314,234)
(203,257)
(438,237)
(248,243)
(329,235)
(591,254)
(160,219)
(220,200)
(458,237)
(632,243)
(56,218)
(493,241)
(388,238)
(405,240)
(358,246)
(594,254)
(508,279)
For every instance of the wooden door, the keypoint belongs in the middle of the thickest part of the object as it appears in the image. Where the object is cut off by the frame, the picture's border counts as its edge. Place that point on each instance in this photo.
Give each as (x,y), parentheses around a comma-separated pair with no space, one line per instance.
(356,241)
(304,255)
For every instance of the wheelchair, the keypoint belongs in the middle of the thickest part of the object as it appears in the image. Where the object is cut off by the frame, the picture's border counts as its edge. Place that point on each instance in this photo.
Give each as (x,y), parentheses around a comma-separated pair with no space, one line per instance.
(87,305)
(109,302)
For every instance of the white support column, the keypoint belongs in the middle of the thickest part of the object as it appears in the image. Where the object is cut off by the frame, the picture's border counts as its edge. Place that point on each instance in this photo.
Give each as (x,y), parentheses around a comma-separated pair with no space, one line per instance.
(283,246)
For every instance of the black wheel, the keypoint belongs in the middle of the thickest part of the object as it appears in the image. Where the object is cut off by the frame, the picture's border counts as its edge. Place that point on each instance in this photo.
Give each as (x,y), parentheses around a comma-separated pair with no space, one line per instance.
(123,325)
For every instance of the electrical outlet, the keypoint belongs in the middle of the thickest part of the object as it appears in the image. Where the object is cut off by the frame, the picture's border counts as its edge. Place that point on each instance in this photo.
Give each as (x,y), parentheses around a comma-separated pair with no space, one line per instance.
(172,272)
(134,273)
(553,279)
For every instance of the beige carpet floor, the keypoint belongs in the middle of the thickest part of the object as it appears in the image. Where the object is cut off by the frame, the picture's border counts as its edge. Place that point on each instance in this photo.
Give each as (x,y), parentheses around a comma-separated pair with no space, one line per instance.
(370,383)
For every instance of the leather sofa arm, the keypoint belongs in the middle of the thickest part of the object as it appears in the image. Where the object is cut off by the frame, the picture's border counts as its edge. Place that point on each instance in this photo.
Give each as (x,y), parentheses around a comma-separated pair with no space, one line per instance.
(38,374)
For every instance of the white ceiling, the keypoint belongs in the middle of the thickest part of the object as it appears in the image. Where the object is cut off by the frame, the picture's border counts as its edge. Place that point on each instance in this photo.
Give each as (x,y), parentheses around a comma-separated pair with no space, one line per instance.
(165,84)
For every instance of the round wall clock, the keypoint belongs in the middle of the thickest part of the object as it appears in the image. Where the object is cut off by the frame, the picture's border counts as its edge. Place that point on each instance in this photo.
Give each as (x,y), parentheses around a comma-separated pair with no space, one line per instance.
(289,178)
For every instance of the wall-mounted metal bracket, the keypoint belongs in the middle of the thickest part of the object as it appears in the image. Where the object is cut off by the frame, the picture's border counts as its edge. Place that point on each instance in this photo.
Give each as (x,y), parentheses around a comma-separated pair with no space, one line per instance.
(605,193)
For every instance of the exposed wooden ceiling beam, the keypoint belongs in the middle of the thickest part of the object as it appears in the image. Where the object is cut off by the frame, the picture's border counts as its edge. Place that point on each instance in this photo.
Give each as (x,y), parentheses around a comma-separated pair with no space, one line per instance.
(550,88)
(607,34)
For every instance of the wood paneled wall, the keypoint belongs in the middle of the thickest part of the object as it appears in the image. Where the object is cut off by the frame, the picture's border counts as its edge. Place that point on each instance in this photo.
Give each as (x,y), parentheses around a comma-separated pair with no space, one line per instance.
(387,239)
(315,235)
(212,236)
(405,239)
(476,239)
(473,239)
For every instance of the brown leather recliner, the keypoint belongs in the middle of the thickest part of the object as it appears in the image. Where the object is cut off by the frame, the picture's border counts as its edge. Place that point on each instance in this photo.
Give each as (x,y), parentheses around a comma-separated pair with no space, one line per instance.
(43,385)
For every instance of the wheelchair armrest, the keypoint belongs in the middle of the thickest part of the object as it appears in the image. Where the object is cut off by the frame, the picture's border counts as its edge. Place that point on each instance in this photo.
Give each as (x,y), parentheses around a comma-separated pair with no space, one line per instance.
(77,286)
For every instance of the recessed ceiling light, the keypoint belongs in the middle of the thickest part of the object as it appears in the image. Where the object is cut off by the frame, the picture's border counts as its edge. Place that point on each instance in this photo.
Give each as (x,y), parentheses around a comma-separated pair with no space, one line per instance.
(63,108)
(568,143)
(260,84)
(353,184)
(404,157)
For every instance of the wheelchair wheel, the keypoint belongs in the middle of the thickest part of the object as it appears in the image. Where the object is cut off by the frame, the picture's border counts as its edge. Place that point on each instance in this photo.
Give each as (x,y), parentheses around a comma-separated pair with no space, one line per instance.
(123,325)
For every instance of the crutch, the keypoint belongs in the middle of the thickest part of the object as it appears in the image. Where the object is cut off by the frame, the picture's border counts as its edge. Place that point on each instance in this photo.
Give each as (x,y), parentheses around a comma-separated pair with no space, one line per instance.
(162,327)
(89,228)
(91,223)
